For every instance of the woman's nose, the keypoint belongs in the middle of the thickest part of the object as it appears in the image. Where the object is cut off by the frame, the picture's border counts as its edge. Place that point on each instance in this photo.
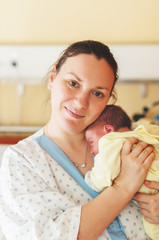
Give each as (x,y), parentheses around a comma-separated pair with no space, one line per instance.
(82,100)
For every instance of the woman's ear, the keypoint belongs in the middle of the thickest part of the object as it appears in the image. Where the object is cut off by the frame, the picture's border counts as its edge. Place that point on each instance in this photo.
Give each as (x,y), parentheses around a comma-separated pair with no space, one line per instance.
(51,78)
(108,128)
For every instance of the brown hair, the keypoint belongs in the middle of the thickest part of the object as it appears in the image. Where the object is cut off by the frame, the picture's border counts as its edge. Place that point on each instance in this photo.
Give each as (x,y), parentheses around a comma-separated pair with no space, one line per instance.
(99,49)
(115,116)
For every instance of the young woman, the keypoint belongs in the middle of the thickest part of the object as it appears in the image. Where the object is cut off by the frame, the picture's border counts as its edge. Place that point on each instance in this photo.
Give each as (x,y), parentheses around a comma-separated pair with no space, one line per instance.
(43,196)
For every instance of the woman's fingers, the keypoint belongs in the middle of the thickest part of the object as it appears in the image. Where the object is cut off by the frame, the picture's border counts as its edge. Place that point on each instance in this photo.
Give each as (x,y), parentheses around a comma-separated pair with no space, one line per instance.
(150,212)
(136,151)
(127,147)
(149,204)
(148,159)
(153,218)
(141,150)
(136,158)
(152,185)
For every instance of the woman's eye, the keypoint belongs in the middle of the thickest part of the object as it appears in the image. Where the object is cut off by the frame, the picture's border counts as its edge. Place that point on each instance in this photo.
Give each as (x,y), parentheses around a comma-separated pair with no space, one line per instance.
(98,94)
(73,83)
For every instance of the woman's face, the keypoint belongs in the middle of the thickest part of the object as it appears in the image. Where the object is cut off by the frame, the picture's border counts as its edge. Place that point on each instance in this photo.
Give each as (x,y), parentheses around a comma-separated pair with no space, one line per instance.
(80,91)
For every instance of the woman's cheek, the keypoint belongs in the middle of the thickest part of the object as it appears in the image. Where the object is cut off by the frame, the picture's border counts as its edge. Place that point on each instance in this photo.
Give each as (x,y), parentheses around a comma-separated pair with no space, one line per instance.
(98,109)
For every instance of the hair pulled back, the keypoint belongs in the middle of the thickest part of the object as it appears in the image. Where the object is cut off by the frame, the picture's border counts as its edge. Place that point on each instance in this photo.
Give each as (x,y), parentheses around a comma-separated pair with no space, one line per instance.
(96,48)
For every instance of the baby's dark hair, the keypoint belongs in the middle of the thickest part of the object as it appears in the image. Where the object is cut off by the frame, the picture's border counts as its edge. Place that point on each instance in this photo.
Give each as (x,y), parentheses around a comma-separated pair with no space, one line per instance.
(115,116)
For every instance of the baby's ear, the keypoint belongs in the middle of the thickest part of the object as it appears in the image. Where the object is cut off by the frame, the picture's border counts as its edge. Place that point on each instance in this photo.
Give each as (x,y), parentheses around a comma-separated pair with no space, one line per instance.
(108,128)
(51,78)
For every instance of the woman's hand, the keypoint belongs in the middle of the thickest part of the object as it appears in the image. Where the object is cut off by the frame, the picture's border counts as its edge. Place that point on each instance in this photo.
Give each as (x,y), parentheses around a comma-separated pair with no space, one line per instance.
(135,162)
(149,204)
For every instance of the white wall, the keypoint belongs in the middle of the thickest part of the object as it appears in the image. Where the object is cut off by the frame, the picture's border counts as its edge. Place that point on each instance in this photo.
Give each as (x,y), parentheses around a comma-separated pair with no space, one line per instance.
(29,64)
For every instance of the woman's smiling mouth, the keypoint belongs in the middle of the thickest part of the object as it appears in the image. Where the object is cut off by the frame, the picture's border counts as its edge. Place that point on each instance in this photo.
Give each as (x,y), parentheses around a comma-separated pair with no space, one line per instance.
(74,114)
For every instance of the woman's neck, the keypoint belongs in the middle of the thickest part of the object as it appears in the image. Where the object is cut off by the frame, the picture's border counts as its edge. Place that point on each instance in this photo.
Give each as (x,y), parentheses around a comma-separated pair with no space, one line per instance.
(73,145)
(63,138)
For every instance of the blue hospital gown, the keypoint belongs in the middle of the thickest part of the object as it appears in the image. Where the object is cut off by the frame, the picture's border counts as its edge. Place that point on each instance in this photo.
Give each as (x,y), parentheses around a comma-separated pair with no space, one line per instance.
(39,200)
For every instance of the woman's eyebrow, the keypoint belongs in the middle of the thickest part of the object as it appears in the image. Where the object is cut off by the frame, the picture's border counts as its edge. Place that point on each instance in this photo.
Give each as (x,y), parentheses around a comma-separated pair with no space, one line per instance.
(78,78)
(102,88)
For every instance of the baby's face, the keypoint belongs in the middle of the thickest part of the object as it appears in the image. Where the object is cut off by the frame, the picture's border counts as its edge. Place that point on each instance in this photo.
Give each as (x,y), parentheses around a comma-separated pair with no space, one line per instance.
(94,133)
(92,136)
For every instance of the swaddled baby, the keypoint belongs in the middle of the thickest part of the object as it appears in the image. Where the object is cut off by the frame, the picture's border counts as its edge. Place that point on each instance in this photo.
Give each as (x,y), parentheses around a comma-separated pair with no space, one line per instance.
(113,127)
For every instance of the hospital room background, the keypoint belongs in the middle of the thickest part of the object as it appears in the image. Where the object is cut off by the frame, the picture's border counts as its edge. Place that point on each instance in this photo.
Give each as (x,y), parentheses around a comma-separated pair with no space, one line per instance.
(34,32)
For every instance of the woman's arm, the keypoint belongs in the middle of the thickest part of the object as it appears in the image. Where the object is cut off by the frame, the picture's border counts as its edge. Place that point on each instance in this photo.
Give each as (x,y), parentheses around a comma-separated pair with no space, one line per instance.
(149,204)
(99,213)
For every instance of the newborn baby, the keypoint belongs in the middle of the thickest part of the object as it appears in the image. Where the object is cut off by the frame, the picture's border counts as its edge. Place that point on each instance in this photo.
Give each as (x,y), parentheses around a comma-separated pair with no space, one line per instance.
(113,127)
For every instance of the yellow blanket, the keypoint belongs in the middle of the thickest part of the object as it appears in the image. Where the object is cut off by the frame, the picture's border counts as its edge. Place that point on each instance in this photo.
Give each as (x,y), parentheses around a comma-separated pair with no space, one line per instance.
(107,162)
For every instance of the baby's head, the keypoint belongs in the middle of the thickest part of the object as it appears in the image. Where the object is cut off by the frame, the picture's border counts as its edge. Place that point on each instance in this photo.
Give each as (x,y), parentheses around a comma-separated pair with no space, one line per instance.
(112,119)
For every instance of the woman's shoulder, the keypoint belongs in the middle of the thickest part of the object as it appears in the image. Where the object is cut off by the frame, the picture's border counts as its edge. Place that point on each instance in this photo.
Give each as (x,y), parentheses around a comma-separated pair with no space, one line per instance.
(24,149)
(34,136)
